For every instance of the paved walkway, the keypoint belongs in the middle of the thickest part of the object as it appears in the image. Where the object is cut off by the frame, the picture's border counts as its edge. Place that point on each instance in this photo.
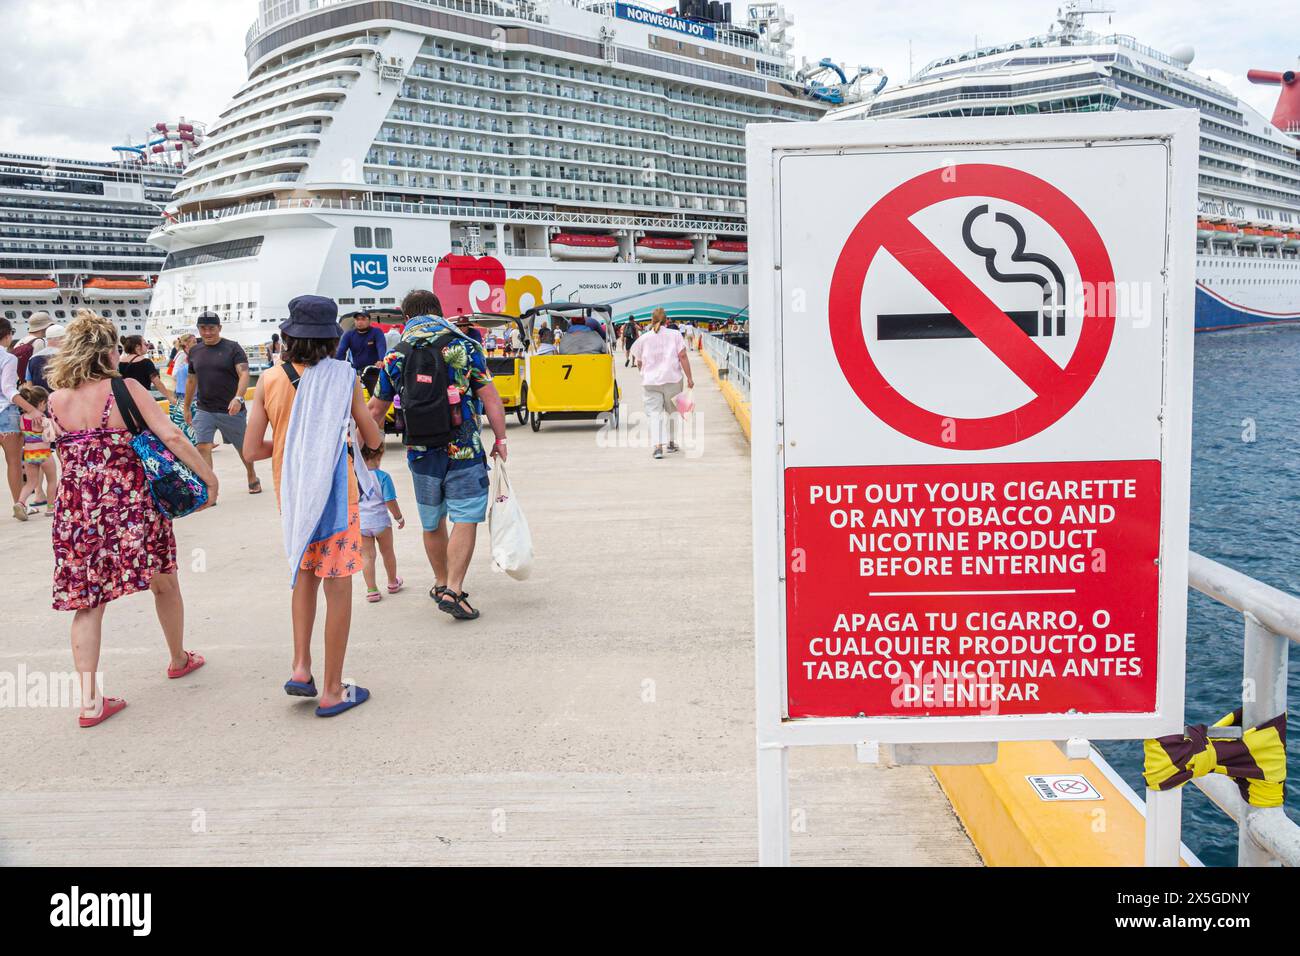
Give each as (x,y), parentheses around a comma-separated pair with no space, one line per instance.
(600,712)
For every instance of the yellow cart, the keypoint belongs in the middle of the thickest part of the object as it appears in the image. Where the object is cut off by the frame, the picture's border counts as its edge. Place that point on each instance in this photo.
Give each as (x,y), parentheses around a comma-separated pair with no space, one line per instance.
(567,387)
(507,370)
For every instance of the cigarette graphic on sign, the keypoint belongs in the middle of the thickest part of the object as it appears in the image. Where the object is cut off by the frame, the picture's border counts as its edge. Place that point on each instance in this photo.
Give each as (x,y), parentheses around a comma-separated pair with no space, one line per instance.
(1048,320)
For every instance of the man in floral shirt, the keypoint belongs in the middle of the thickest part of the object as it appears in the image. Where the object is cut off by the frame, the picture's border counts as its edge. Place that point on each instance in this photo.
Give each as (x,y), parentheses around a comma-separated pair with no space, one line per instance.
(451,483)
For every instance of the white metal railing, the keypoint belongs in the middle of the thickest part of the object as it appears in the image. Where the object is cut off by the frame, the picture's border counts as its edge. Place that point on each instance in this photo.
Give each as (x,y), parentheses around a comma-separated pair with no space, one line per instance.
(671,223)
(1265,836)
(731,360)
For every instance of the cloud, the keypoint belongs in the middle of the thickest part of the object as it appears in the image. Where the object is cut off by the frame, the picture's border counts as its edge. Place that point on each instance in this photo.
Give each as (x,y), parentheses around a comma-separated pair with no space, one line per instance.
(902,37)
(80,76)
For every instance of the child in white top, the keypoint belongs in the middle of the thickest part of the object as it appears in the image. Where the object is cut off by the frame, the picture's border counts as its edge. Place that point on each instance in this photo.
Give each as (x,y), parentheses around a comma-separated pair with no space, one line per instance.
(376,527)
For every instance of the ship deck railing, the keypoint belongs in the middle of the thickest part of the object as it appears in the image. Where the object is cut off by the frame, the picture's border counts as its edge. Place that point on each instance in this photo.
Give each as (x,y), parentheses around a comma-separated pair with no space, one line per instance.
(1266,836)
(671,222)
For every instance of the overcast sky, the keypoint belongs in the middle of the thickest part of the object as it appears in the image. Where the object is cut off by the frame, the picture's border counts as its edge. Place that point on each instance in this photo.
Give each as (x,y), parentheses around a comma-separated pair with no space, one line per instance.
(80,76)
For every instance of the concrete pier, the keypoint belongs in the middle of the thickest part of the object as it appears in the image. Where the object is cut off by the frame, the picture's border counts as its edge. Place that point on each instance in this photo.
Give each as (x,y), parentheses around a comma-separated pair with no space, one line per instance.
(601,712)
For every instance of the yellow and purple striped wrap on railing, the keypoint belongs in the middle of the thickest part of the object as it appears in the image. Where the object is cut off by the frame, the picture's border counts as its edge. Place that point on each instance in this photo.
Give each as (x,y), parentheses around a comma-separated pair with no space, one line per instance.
(1256,760)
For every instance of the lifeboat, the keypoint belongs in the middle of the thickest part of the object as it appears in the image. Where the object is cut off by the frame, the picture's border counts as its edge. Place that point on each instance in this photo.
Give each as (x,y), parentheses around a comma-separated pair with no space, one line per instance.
(98,287)
(1292,240)
(1205,230)
(664,249)
(28,288)
(580,247)
(1273,238)
(1251,236)
(728,250)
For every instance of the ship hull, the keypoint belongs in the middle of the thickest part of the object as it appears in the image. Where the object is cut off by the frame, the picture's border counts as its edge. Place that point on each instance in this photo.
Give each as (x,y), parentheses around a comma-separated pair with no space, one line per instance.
(1217,313)
(316,252)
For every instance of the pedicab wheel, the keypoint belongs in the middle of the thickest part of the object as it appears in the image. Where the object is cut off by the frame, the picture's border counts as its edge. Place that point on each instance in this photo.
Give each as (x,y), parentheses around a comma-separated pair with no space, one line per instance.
(522,411)
(535,420)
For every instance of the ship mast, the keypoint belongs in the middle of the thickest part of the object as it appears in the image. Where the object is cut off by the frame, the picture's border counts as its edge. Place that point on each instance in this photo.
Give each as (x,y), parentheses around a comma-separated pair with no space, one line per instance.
(1069,27)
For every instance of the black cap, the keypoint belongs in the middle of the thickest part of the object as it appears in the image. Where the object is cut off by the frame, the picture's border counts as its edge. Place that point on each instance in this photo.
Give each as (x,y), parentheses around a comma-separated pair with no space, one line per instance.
(312,317)
(209,318)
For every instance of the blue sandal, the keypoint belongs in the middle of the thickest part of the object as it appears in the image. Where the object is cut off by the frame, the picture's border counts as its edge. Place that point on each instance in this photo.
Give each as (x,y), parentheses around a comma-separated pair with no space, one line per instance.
(298,688)
(354,696)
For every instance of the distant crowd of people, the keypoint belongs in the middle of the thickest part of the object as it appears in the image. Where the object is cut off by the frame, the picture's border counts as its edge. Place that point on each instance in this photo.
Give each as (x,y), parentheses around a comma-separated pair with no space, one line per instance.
(323,433)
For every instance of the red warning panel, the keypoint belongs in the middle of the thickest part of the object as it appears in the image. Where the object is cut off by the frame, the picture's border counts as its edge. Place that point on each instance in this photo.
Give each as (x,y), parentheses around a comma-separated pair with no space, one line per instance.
(972,589)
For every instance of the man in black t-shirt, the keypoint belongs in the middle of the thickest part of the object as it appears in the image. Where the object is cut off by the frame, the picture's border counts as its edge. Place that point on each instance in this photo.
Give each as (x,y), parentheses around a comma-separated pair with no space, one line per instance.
(218,379)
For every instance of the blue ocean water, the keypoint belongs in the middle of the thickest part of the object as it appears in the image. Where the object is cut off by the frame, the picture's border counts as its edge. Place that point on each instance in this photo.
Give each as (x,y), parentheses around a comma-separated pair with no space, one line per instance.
(1245,514)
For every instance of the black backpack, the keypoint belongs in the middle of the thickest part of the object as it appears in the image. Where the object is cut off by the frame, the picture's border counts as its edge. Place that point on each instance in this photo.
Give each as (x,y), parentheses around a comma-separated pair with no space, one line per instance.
(425,380)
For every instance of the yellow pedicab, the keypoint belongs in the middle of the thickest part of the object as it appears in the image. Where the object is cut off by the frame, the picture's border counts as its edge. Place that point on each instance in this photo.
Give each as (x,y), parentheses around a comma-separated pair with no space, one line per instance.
(507,370)
(576,382)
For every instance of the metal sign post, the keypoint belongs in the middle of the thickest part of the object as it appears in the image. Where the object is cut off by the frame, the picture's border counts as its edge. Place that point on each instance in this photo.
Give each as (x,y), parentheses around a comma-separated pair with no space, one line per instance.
(971,383)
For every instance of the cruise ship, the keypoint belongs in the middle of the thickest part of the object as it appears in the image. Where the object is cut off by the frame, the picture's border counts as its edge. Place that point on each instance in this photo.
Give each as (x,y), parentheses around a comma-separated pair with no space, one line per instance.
(1248,230)
(75,232)
(504,153)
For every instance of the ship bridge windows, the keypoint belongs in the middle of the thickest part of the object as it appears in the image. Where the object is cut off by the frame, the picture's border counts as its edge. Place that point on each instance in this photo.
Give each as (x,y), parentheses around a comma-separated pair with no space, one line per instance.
(215,252)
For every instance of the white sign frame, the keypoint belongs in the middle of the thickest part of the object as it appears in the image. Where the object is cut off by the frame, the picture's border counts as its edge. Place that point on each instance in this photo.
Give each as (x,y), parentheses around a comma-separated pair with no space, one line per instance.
(767,144)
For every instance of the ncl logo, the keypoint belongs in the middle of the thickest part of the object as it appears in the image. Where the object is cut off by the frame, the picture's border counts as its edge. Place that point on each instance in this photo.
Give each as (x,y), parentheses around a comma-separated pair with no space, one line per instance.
(369,270)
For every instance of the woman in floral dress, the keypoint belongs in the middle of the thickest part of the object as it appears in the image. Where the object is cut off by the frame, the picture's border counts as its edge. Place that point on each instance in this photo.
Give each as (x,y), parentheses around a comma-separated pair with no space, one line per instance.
(110,539)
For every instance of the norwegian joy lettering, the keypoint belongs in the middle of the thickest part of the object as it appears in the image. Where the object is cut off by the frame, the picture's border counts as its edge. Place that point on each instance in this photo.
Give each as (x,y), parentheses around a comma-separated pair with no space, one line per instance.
(664,21)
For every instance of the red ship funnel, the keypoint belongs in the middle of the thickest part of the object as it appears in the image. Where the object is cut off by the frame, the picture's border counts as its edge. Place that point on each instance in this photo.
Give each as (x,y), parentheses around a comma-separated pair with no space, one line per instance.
(1286,116)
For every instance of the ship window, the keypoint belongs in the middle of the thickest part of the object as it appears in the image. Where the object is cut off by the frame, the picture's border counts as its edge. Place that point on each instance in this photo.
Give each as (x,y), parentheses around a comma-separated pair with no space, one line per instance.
(214,252)
(361,237)
(383,238)
(640,278)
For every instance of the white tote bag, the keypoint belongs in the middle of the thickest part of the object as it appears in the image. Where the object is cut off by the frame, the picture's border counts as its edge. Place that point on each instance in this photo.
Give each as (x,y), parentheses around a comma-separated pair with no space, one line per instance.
(512,543)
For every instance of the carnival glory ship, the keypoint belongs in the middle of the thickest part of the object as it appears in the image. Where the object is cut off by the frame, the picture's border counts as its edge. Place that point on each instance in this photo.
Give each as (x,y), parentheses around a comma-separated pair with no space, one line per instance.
(74,233)
(501,152)
(1248,229)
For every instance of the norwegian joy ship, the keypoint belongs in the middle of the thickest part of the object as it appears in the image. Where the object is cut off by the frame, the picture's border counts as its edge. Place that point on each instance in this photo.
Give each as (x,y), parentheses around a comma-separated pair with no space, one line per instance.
(75,232)
(502,152)
(1248,230)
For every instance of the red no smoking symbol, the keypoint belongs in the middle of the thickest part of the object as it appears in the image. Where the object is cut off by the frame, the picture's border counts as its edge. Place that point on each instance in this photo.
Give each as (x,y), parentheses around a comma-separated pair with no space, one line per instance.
(888,226)
(1069,786)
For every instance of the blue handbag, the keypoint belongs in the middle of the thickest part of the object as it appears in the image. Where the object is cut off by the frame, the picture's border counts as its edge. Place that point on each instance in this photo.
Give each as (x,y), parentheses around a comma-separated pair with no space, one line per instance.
(176,490)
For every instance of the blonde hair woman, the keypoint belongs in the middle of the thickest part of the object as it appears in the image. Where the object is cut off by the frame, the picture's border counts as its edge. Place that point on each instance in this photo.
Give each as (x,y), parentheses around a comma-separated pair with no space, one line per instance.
(661,356)
(110,540)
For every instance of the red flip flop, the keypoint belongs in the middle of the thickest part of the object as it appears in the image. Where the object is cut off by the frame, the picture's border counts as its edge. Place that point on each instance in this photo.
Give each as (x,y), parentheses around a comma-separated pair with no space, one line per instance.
(111,706)
(192,663)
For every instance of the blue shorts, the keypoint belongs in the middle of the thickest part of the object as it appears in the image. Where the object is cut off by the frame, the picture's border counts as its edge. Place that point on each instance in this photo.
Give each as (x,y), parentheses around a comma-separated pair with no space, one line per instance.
(446,488)
(232,427)
(10,419)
